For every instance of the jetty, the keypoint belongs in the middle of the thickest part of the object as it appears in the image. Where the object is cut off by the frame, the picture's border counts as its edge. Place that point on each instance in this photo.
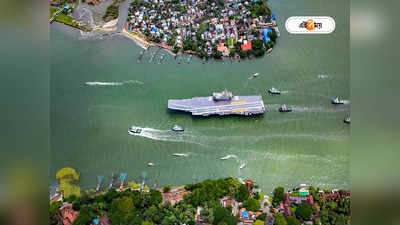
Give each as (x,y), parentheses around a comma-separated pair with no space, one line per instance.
(221,104)
(123,178)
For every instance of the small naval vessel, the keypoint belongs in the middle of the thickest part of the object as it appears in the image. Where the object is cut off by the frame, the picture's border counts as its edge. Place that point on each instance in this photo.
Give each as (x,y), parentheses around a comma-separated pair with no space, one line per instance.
(337,101)
(274,91)
(347,119)
(135,130)
(220,103)
(177,128)
(285,108)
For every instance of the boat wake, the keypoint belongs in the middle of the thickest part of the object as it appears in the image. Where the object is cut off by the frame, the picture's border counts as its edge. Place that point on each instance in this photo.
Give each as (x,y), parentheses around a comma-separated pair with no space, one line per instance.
(169,135)
(322,76)
(228,157)
(99,83)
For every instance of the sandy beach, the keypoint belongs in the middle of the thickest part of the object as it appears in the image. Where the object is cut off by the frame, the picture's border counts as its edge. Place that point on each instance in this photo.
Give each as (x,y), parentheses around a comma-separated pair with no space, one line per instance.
(141,42)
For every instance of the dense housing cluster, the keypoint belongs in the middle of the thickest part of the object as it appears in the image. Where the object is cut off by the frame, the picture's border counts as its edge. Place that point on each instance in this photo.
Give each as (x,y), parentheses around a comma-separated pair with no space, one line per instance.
(207,28)
(226,201)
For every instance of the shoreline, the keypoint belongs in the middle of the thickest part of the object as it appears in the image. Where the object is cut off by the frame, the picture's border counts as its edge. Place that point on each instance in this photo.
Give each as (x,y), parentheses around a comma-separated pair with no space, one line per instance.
(144,43)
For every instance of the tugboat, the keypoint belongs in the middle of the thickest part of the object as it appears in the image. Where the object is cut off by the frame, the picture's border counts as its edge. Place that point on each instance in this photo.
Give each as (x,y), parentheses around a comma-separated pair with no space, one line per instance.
(177,128)
(135,130)
(347,119)
(274,91)
(337,101)
(285,108)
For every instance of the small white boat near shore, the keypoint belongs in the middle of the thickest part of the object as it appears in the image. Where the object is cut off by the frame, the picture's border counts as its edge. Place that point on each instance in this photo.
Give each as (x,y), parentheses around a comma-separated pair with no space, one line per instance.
(243,165)
(150,164)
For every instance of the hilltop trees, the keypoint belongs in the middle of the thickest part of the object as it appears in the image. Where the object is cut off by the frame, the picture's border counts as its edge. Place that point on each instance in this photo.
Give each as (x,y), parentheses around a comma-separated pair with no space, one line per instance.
(304,211)
(278,195)
(69,181)
(280,219)
(252,204)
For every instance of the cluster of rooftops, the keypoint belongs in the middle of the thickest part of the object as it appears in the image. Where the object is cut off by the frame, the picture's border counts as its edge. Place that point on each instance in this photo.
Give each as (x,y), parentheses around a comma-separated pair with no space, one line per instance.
(203,26)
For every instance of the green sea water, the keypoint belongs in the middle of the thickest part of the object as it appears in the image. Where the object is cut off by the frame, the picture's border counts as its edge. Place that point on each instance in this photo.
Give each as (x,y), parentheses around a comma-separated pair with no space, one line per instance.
(89,123)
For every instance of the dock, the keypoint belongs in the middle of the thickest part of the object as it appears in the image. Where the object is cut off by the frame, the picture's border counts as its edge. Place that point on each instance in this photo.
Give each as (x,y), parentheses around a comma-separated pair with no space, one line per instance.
(206,106)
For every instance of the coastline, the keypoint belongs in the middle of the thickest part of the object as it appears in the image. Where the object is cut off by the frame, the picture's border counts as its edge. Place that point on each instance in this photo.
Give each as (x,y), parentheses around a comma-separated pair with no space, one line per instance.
(144,43)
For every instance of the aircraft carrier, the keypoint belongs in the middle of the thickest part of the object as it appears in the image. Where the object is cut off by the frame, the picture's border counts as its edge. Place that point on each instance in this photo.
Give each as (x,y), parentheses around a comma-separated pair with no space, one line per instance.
(223,103)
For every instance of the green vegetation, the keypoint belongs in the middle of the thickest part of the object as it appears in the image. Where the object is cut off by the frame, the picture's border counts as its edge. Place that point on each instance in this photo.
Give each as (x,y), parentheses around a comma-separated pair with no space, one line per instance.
(112,11)
(166,188)
(259,222)
(210,191)
(278,195)
(65,18)
(304,211)
(69,181)
(291,220)
(279,219)
(224,216)
(252,204)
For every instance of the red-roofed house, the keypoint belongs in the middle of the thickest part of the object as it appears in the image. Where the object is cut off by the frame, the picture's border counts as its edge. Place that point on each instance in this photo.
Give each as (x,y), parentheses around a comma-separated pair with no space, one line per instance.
(246,45)
(67,214)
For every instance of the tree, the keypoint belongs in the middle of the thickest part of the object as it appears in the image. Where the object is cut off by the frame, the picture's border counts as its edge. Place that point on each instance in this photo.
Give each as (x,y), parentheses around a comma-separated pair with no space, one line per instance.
(124,204)
(155,197)
(262,216)
(69,181)
(291,220)
(224,216)
(242,194)
(166,188)
(279,219)
(304,211)
(252,204)
(147,223)
(273,35)
(259,222)
(278,195)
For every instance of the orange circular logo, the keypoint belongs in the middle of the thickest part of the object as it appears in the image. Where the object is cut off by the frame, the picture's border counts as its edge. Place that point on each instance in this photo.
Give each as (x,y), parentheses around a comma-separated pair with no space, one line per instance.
(310,24)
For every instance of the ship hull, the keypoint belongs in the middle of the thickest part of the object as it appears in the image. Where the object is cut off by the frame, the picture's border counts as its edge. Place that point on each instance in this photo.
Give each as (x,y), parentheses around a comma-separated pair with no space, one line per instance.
(206,106)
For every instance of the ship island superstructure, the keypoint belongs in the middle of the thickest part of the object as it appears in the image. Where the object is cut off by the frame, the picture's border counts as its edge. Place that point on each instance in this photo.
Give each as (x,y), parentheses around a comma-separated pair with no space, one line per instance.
(220,103)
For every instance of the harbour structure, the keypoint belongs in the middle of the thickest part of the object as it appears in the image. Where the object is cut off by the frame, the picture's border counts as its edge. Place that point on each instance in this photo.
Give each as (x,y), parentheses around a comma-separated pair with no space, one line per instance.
(222,103)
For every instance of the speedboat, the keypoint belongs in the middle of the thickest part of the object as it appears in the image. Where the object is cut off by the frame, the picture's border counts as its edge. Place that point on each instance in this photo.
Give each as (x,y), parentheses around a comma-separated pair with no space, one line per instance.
(150,164)
(347,119)
(179,154)
(243,165)
(285,108)
(274,91)
(256,75)
(337,101)
(177,128)
(135,130)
